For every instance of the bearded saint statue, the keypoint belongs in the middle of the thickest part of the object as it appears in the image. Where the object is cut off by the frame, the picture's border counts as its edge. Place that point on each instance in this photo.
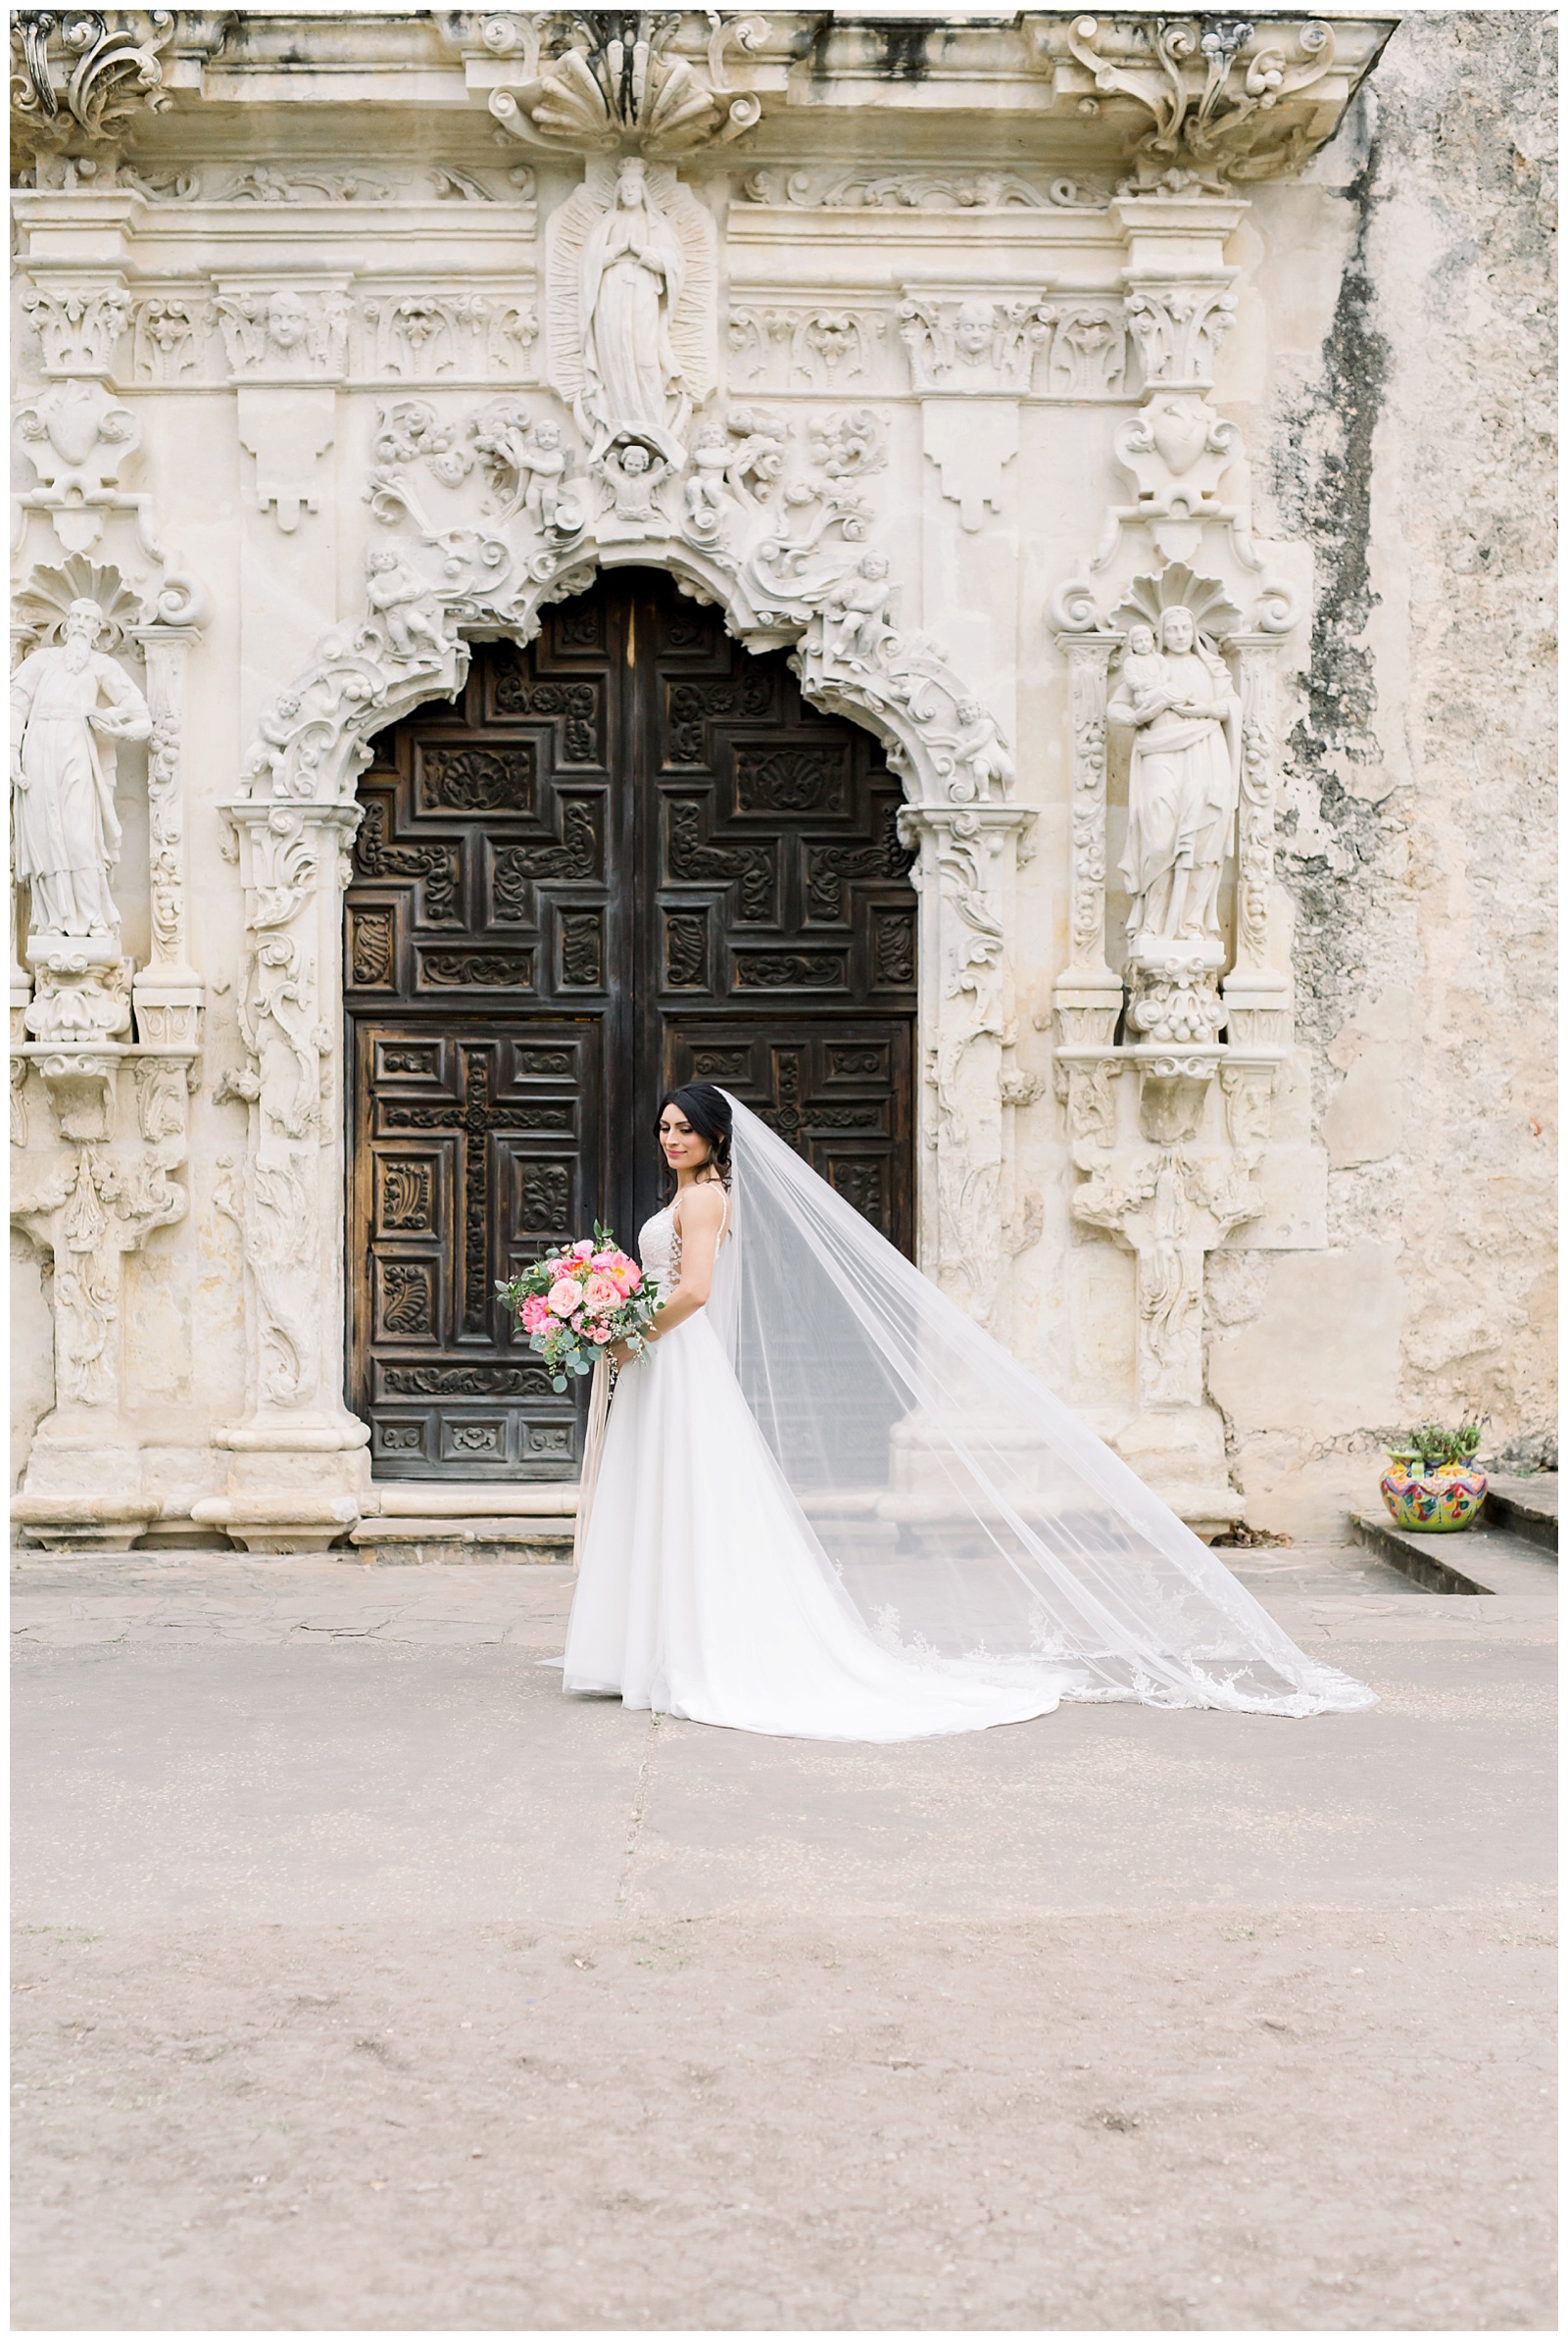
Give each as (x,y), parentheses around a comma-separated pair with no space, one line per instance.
(70,704)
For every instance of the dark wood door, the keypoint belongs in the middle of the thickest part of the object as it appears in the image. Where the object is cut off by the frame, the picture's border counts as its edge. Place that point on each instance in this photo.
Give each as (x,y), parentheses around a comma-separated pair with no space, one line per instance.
(628,855)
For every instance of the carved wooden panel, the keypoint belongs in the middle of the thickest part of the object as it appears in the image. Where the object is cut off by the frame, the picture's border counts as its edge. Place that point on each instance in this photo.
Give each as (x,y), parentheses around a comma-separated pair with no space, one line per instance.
(629,854)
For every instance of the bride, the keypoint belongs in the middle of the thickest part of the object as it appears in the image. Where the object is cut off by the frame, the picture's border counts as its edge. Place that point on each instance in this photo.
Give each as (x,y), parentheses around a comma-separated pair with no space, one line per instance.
(828,1505)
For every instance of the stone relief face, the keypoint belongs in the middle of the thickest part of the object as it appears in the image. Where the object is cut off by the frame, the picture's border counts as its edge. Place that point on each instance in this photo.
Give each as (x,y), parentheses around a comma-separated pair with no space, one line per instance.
(286,321)
(1179,630)
(972,329)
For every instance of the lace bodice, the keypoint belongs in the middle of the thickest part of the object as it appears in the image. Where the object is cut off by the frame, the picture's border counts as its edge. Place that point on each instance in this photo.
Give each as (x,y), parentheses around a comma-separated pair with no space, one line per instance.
(659,1249)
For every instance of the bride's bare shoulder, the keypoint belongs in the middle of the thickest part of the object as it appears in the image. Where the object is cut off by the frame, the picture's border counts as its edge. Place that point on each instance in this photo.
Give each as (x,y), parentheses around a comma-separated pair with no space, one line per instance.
(700,1204)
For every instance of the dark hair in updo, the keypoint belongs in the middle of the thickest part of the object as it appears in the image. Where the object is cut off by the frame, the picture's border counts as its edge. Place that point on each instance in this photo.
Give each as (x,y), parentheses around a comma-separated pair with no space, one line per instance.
(708,1111)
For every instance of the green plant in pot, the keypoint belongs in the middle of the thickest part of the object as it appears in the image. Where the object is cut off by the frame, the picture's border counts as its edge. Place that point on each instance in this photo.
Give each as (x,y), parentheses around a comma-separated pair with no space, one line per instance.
(1432,1482)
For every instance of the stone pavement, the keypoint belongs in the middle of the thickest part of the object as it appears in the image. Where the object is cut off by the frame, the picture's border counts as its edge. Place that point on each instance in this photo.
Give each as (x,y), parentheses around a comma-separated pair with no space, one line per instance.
(364,1982)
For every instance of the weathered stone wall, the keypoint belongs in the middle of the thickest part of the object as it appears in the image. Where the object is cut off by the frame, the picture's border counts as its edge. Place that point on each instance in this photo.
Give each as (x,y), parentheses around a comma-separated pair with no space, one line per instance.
(1404,427)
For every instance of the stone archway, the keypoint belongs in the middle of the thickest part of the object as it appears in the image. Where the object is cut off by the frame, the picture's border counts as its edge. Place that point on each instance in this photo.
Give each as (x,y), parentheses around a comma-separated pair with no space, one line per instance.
(629,854)
(298,1458)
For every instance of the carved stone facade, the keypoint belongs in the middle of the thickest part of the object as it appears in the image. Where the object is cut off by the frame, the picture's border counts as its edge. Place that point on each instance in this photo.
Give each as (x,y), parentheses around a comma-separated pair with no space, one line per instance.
(961,425)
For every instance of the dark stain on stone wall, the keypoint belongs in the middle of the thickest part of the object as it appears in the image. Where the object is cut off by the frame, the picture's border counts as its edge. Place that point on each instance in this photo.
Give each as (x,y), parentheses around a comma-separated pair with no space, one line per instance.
(902,46)
(1323,479)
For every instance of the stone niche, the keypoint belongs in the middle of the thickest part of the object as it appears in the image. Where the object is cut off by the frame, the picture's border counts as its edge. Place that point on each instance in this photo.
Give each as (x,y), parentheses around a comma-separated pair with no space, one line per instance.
(328,369)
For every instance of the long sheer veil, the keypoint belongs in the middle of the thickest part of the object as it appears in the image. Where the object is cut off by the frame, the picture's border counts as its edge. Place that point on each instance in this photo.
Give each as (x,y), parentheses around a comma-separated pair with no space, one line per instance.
(970,1520)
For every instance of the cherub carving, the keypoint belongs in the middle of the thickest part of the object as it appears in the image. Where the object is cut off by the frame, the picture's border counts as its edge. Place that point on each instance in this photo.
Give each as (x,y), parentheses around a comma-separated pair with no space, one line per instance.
(705,489)
(632,471)
(855,619)
(406,607)
(539,462)
(979,751)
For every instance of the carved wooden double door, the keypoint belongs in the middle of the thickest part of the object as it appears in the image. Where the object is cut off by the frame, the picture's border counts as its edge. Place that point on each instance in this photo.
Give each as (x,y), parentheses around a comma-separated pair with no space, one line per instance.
(629,855)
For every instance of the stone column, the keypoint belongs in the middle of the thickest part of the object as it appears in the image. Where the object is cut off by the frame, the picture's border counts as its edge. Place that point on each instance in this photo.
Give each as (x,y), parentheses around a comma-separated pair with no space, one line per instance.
(1088,994)
(167,993)
(298,1460)
(1256,994)
(963,874)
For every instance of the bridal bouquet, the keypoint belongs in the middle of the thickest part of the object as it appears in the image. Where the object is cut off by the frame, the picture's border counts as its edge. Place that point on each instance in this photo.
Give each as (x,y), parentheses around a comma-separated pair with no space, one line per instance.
(577,1301)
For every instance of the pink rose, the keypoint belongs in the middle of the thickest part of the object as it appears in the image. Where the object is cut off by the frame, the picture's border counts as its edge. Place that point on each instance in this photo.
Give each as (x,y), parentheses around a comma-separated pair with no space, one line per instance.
(565,1296)
(599,1294)
(602,1333)
(535,1313)
(582,1251)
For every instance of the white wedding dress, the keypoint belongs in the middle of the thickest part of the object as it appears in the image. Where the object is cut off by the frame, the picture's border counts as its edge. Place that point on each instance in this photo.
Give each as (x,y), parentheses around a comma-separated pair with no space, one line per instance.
(701,1592)
(831,1505)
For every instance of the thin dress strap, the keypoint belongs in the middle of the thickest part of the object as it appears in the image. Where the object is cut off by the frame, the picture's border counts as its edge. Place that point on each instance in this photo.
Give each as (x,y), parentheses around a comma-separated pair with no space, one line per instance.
(723,1221)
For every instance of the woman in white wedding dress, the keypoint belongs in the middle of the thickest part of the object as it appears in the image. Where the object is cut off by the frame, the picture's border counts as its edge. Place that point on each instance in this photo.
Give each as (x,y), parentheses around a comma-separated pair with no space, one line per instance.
(829,1506)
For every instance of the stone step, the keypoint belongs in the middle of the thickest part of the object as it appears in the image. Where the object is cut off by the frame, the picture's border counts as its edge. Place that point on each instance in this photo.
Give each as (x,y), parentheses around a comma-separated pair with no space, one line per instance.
(410,1543)
(1528,1506)
(1472,1560)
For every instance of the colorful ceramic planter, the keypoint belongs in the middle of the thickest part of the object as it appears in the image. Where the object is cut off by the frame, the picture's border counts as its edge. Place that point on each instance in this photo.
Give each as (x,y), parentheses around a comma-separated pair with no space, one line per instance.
(1450,1498)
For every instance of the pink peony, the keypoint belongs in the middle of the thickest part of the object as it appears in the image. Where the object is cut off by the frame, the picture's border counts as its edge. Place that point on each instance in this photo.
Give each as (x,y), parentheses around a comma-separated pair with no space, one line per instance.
(535,1313)
(582,1251)
(599,1293)
(565,1296)
(605,1259)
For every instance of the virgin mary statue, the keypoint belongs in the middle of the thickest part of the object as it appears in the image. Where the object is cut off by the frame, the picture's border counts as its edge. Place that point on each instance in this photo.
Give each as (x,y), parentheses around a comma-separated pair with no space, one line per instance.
(633,270)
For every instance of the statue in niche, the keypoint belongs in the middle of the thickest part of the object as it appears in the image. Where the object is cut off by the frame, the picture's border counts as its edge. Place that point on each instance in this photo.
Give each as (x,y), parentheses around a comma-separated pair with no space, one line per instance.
(630,279)
(406,607)
(1184,780)
(70,702)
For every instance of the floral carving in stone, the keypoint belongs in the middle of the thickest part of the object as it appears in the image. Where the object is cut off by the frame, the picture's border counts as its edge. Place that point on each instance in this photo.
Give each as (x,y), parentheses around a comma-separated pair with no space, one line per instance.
(79,328)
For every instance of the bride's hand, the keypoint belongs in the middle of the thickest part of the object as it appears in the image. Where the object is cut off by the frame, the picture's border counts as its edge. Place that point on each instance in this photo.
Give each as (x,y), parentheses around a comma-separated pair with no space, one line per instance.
(619,1353)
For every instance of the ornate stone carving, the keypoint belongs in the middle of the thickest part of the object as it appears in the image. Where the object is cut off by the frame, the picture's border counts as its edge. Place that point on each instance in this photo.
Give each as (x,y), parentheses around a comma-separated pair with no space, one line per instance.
(805,349)
(89,1210)
(78,326)
(265,182)
(170,329)
(422,336)
(1178,329)
(77,435)
(971,342)
(167,990)
(84,77)
(631,470)
(285,1199)
(1177,450)
(1170,1206)
(610,85)
(876,190)
(285,333)
(1178,698)
(630,260)
(1219,95)
(1088,351)
(70,702)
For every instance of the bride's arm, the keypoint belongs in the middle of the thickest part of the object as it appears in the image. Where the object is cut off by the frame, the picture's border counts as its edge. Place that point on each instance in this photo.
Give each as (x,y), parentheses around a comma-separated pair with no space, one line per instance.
(700,1216)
